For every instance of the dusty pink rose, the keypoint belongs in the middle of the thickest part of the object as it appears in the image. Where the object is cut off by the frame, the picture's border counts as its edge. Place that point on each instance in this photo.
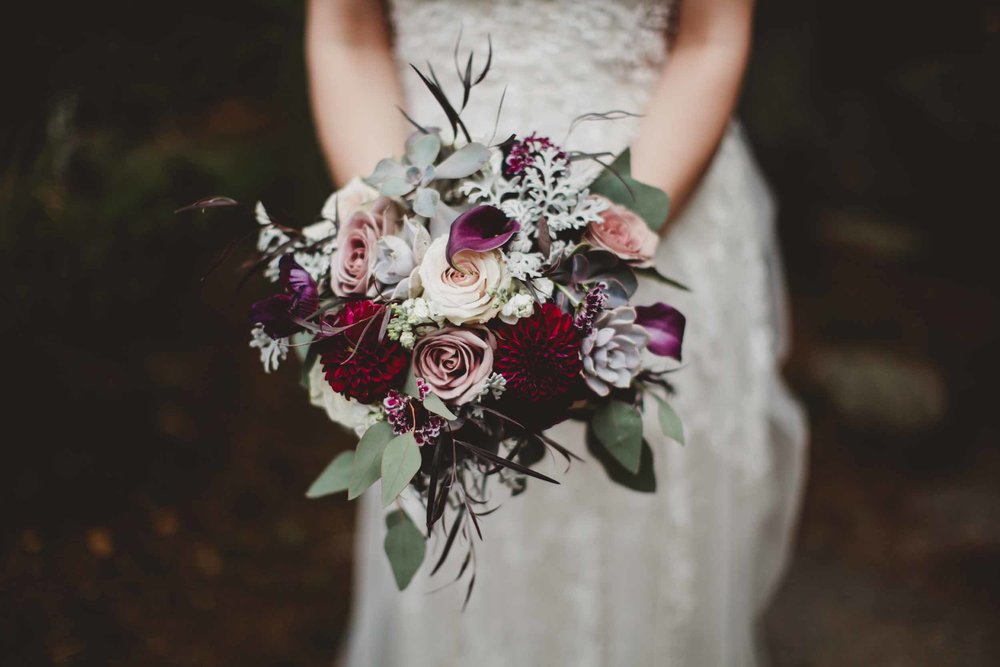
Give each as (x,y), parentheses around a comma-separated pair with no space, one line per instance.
(353,262)
(624,233)
(454,362)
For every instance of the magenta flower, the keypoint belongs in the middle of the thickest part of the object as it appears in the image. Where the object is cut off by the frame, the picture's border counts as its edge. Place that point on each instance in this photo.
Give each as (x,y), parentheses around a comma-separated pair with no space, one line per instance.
(480,229)
(665,325)
(281,313)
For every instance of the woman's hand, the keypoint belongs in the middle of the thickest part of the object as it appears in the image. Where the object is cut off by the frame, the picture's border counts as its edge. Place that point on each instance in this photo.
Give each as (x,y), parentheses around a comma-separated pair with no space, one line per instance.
(694,98)
(354,85)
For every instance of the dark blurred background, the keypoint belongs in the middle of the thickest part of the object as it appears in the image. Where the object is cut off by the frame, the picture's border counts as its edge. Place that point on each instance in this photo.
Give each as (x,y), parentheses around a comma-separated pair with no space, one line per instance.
(153,509)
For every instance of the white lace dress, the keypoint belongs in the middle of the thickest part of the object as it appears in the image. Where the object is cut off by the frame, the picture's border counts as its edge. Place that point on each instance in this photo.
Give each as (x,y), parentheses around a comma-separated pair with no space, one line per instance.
(589,573)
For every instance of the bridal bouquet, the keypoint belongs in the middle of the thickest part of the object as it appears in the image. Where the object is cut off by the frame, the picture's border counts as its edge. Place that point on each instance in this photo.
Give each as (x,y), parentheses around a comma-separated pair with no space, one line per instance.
(456,303)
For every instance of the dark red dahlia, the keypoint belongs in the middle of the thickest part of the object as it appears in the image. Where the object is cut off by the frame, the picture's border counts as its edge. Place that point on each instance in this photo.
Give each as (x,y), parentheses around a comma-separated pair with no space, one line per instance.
(355,362)
(539,356)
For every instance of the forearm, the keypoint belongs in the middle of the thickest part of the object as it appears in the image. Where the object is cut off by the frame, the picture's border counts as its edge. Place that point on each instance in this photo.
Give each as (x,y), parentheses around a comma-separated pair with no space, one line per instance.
(694,99)
(354,85)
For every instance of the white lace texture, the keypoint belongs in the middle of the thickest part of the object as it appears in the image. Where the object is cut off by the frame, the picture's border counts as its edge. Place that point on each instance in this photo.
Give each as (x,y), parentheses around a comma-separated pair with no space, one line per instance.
(588,573)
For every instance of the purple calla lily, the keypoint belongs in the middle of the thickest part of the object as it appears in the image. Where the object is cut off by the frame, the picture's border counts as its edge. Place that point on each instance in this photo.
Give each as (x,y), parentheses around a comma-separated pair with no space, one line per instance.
(280,313)
(665,325)
(481,228)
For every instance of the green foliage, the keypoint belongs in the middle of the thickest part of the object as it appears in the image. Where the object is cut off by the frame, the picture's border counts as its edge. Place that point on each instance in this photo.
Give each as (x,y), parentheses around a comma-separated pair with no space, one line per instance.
(335,478)
(618,427)
(404,545)
(616,183)
(670,422)
(400,462)
(410,384)
(644,480)
(434,404)
(367,464)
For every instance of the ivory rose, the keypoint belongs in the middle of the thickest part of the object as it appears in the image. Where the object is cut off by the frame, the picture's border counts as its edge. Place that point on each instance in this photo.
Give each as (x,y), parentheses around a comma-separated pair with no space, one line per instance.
(468,292)
(353,262)
(625,234)
(454,362)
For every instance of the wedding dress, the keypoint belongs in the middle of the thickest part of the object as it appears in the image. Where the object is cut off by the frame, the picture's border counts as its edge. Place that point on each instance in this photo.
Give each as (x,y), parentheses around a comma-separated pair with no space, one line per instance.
(589,573)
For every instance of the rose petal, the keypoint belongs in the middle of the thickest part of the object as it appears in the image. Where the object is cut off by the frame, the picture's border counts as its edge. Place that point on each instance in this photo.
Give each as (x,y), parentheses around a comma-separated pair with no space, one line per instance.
(481,228)
(665,325)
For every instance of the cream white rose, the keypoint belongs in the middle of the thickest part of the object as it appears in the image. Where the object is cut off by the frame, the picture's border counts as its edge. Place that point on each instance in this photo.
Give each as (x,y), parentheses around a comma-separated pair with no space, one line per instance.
(469,292)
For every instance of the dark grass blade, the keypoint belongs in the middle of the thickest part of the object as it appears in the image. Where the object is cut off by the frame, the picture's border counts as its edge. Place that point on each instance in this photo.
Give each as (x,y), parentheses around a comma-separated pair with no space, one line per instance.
(468,593)
(575,156)
(433,484)
(465,564)
(496,121)
(409,119)
(209,202)
(559,448)
(467,81)
(614,172)
(614,114)
(489,61)
(442,100)
(472,515)
(452,534)
(499,460)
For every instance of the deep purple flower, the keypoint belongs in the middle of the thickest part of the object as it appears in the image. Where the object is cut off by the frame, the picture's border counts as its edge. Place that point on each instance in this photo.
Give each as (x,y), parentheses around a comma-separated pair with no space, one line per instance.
(279,313)
(665,325)
(480,229)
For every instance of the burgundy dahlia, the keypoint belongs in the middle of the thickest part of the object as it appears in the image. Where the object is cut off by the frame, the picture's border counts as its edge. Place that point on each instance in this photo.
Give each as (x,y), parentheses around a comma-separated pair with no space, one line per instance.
(355,362)
(539,356)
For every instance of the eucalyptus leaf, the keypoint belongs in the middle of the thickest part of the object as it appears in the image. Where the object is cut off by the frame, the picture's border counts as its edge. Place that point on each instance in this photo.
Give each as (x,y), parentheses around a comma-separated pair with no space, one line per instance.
(335,478)
(400,462)
(404,545)
(422,149)
(643,481)
(410,383)
(618,426)
(426,201)
(434,404)
(367,464)
(616,183)
(466,161)
(670,422)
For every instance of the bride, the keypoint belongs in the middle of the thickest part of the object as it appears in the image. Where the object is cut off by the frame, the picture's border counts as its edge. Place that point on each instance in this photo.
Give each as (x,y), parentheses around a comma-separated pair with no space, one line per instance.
(590,573)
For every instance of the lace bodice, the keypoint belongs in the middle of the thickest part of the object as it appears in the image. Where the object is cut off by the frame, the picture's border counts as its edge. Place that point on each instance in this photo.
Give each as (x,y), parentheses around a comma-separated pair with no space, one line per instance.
(588,573)
(557,59)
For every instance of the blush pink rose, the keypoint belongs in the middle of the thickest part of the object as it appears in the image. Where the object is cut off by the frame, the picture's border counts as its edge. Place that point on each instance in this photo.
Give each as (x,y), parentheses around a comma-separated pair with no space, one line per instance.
(454,362)
(353,262)
(624,233)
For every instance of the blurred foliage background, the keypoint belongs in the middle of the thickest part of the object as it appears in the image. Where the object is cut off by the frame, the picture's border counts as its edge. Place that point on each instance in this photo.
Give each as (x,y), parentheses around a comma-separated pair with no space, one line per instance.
(153,508)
